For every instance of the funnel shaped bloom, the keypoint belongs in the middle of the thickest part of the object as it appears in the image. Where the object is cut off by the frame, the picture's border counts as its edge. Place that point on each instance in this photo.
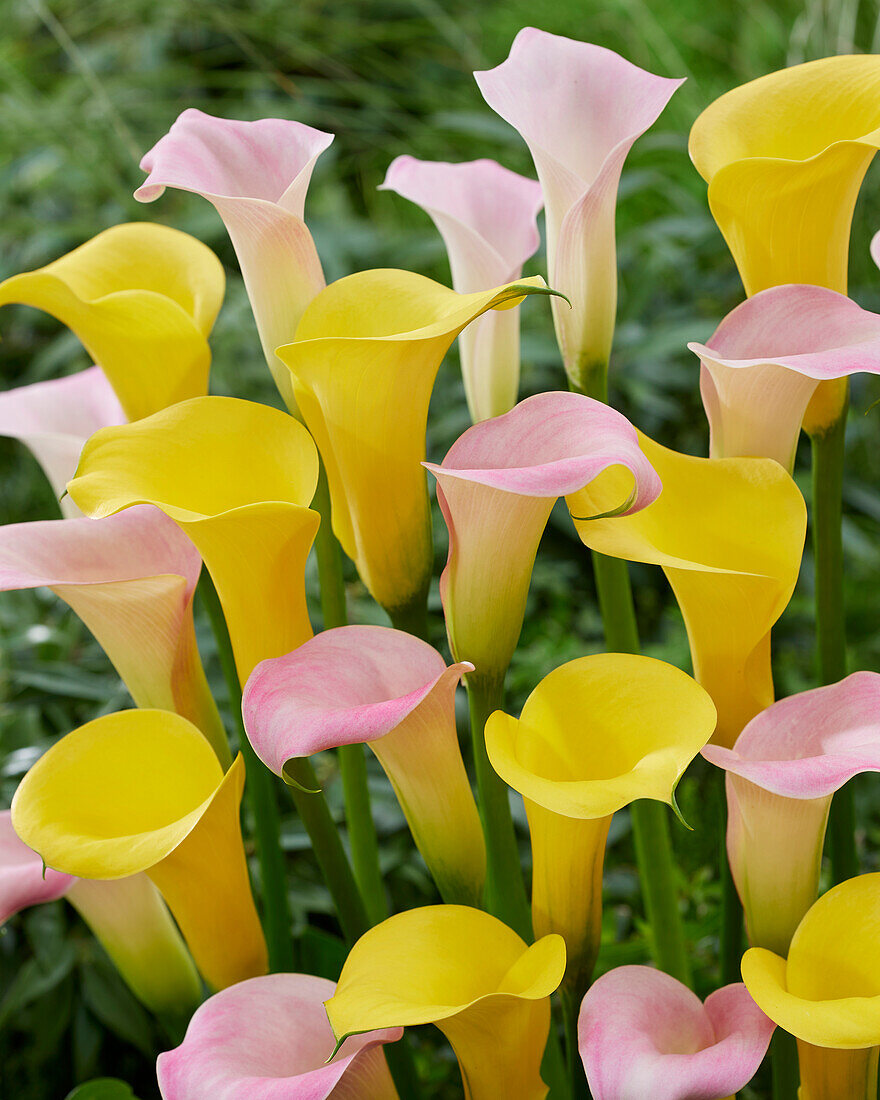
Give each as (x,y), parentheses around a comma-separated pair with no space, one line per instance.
(127,916)
(469,974)
(579,108)
(781,775)
(763,363)
(827,992)
(141,791)
(728,534)
(142,299)
(237,478)
(596,734)
(487,216)
(256,175)
(371,684)
(268,1039)
(642,1033)
(366,354)
(54,419)
(131,579)
(496,489)
(784,157)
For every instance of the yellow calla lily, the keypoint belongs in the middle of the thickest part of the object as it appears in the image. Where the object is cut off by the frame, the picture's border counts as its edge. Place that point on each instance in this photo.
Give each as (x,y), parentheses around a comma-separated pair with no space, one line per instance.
(366,354)
(729,534)
(142,791)
(472,976)
(237,477)
(596,734)
(142,298)
(784,157)
(827,992)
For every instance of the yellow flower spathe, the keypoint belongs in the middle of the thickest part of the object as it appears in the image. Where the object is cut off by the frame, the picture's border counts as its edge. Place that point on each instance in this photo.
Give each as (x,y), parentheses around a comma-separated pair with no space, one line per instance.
(237,477)
(366,354)
(472,976)
(142,298)
(729,534)
(596,734)
(784,157)
(142,791)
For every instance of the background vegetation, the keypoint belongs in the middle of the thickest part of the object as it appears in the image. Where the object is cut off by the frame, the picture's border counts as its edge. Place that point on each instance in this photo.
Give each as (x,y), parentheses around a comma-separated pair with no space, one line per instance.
(86,86)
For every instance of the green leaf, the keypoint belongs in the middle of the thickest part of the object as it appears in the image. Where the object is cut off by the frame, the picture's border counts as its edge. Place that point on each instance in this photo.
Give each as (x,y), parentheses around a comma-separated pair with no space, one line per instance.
(110,1001)
(102,1088)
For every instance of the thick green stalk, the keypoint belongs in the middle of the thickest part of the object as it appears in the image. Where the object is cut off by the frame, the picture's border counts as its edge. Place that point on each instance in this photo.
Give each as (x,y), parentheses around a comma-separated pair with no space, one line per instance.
(731,923)
(260,794)
(332,860)
(650,823)
(576,1076)
(505,887)
(352,764)
(784,1065)
(828,452)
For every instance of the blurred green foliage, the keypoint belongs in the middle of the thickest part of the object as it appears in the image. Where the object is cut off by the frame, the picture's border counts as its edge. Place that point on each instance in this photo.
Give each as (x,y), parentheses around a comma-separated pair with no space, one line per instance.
(86,86)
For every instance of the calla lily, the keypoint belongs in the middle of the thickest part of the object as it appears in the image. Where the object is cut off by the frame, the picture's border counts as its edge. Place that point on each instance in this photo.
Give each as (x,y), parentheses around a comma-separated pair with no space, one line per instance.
(781,775)
(579,108)
(642,1033)
(237,478)
(141,791)
(762,365)
(366,354)
(142,299)
(496,489)
(784,157)
(256,174)
(127,916)
(131,579)
(729,534)
(268,1039)
(596,734)
(487,216)
(373,685)
(469,974)
(826,992)
(54,419)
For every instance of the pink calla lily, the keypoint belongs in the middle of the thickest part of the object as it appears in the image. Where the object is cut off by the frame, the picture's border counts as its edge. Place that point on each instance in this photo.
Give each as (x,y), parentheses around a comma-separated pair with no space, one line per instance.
(131,579)
(781,775)
(641,1033)
(579,108)
(127,916)
(394,692)
(487,216)
(256,174)
(54,419)
(496,488)
(269,1038)
(763,363)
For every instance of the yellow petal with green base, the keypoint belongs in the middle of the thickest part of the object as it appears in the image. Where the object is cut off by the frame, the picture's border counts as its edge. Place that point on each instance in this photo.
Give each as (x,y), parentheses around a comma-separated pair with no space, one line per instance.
(237,477)
(366,354)
(729,534)
(472,976)
(142,298)
(142,791)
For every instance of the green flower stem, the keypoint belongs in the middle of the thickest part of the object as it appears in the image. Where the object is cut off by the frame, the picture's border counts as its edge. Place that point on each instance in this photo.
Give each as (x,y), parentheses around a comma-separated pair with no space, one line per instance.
(828,451)
(784,1065)
(505,887)
(327,846)
(731,950)
(650,823)
(571,1007)
(412,617)
(352,763)
(260,793)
